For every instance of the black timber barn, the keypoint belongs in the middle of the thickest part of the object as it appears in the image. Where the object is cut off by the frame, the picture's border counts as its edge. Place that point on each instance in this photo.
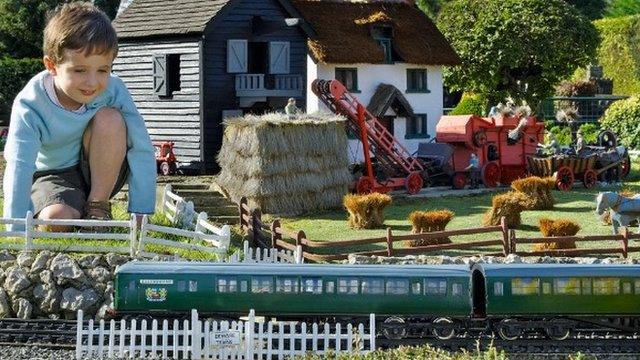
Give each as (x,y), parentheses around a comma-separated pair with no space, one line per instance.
(191,63)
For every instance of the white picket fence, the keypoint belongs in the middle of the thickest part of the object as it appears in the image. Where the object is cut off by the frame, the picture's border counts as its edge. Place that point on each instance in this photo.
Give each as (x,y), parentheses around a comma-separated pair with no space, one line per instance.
(272,255)
(195,339)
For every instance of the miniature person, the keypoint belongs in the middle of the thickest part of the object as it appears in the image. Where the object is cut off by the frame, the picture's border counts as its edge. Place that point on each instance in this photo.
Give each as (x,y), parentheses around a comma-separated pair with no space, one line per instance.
(551,147)
(75,135)
(474,171)
(513,136)
(291,110)
(580,144)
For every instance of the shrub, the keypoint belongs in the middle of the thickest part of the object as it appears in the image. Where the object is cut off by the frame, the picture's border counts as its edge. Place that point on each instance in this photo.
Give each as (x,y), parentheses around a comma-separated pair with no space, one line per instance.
(475,104)
(590,132)
(576,88)
(618,52)
(622,117)
(14,74)
(562,134)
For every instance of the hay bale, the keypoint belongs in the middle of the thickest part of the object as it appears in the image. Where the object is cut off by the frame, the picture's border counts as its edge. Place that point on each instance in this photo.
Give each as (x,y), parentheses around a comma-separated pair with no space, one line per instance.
(366,211)
(285,166)
(538,190)
(429,221)
(559,227)
(509,205)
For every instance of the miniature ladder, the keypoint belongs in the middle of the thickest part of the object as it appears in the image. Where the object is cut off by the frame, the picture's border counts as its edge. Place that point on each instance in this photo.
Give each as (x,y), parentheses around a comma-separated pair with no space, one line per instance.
(383,144)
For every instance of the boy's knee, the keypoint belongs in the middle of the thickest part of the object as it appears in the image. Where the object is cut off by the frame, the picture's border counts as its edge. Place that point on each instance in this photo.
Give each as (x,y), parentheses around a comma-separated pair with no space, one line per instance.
(108,119)
(58,211)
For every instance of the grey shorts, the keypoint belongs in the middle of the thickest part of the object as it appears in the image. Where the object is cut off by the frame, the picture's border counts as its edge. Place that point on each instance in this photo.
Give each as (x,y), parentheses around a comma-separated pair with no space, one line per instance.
(69,186)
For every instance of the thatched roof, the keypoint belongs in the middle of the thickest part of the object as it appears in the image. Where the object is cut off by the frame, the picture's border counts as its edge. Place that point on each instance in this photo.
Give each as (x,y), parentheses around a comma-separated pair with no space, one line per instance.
(389,96)
(344,33)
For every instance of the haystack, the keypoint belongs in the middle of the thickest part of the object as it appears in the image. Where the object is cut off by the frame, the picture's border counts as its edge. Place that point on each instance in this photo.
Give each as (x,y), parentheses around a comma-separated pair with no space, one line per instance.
(429,221)
(285,166)
(559,227)
(366,211)
(538,190)
(509,205)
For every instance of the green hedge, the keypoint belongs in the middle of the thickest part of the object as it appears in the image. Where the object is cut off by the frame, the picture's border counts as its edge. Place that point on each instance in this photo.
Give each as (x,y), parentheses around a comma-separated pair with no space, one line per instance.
(619,52)
(475,104)
(562,133)
(623,117)
(14,74)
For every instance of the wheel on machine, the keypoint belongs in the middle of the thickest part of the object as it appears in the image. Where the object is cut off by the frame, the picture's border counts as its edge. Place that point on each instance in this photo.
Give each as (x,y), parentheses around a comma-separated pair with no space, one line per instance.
(508,329)
(625,165)
(413,183)
(443,334)
(394,328)
(564,178)
(165,168)
(608,139)
(459,180)
(365,185)
(557,330)
(590,179)
(479,138)
(491,174)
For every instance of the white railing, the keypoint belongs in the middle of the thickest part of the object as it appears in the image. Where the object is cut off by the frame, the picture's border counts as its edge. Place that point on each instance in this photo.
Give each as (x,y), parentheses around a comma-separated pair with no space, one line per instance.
(271,256)
(195,339)
(288,82)
(181,213)
(250,82)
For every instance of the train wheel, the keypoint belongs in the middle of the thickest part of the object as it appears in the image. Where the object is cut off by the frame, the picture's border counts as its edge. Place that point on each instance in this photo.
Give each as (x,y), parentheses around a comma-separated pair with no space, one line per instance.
(590,179)
(165,169)
(625,165)
(557,330)
(365,185)
(491,174)
(459,181)
(413,183)
(394,328)
(508,329)
(564,178)
(446,333)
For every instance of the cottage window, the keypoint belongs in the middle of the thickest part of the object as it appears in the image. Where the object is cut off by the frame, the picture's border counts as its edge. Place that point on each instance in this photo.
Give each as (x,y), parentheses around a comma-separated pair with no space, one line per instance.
(417,81)
(349,78)
(383,35)
(166,74)
(417,127)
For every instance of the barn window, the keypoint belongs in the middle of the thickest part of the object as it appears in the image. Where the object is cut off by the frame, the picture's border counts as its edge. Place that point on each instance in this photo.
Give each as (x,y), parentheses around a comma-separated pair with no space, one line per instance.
(227,285)
(525,286)
(349,78)
(348,286)
(417,127)
(286,285)
(566,286)
(397,286)
(373,286)
(417,81)
(498,288)
(435,286)
(166,74)
(606,286)
(261,284)
(312,285)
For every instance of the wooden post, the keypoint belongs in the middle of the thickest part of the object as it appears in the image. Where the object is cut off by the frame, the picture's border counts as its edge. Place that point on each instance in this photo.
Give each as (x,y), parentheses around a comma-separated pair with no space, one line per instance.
(299,243)
(243,224)
(505,236)
(389,242)
(275,235)
(512,240)
(625,242)
(256,219)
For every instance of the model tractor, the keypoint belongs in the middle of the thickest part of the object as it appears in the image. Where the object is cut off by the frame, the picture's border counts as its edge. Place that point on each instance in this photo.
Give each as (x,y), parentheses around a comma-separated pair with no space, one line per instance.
(165,158)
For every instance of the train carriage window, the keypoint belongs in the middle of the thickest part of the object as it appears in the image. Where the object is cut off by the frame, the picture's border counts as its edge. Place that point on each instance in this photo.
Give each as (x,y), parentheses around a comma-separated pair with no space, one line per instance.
(348,286)
(193,286)
(456,289)
(132,285)
(566,286)
(525,286)
(546,288)
(606,286)
(626,288)
(227,285)
(331,287)
(182,286)
(636,285)
(416,288)
(286,285)
(397,286)
(586,286)
(244,286)
(373,286)
(261,284)
(435,286)
(312,285)
(498,288)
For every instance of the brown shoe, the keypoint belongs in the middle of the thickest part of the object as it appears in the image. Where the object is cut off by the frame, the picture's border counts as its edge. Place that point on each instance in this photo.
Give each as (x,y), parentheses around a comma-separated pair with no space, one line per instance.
(97,210)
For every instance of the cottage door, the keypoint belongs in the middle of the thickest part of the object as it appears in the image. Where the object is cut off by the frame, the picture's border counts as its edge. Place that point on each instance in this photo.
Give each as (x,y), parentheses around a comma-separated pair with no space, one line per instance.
(387,121)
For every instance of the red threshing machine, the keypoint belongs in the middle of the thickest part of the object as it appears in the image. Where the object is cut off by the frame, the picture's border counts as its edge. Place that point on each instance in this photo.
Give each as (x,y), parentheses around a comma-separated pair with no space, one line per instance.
(403,170)
(165,158)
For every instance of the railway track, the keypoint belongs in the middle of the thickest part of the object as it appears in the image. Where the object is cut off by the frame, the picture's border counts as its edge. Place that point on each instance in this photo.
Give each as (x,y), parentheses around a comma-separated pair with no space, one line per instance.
(40,332)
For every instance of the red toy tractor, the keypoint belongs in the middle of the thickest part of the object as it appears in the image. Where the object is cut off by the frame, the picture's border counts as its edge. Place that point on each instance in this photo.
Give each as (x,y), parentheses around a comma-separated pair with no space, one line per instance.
(165,159)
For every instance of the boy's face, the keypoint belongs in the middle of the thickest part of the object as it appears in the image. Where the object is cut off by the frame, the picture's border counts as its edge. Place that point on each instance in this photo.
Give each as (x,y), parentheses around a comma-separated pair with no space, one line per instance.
(79,78)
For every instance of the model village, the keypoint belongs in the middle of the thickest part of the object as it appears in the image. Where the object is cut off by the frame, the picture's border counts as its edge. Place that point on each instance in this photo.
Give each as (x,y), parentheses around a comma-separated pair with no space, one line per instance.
(323,193)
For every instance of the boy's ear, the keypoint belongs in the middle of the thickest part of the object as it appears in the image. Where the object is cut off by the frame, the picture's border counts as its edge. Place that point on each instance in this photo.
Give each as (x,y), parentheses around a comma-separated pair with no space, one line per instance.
(49,65)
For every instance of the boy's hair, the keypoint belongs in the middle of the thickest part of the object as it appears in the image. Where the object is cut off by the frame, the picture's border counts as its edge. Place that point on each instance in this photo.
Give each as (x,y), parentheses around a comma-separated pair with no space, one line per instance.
(76,26)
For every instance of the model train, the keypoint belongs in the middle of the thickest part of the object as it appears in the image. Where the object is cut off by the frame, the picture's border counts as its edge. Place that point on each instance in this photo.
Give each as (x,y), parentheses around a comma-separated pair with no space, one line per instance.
(410,301)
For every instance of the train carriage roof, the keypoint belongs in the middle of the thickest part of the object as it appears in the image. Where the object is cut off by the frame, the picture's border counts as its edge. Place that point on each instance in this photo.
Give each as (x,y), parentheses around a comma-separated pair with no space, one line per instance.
(558,270)
(162,268)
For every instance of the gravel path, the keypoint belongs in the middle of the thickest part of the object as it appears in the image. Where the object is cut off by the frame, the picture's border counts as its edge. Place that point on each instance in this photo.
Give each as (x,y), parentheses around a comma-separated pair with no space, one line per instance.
(34,353)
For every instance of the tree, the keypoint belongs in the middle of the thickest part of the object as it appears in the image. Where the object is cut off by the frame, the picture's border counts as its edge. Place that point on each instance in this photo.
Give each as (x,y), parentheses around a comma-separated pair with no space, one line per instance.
(21,25)
(592,9)
(618,8)
(517,48)
(431,7)
(110,7)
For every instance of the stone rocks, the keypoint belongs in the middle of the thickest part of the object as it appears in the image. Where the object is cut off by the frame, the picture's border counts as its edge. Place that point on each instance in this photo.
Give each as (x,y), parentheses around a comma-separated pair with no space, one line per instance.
(41,261)
(23,308)
(16,280)
(91,261)
(25,259)
(114,260)
(47,298)
(5,308)
(66,271)
(74,299)
(99,274)
(5,255)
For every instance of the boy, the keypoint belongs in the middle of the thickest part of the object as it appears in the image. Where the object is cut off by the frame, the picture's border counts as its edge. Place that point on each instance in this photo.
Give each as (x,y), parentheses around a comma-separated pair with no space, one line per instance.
(75,134)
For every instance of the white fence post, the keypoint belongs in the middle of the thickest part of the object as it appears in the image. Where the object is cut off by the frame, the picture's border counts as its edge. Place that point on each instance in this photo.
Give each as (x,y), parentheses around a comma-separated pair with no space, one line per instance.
(196,336)
(28,231)
(143,233)
(167,189)
(249,327)
(133,235)
(79,333)
(226,236)
(299,258)
(372,332)
(202,216)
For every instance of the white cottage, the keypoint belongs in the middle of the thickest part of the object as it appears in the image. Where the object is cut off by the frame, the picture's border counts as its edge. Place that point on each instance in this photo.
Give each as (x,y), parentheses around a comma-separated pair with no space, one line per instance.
(389,54)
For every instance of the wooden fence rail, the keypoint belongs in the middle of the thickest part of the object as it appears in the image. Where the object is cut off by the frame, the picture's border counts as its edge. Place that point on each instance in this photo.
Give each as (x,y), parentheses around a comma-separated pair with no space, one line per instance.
(274,235)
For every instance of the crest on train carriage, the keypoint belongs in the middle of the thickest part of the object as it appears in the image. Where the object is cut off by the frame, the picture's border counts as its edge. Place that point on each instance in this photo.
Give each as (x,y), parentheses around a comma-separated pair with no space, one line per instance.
(156,294)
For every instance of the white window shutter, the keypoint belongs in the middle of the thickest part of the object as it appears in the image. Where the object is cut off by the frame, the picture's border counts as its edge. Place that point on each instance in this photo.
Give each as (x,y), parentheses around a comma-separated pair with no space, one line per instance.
(160,75)
(279,57)
(236,56)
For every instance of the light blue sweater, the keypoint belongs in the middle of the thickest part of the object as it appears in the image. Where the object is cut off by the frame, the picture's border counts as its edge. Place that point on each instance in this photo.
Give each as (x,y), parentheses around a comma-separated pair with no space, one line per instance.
(45,136)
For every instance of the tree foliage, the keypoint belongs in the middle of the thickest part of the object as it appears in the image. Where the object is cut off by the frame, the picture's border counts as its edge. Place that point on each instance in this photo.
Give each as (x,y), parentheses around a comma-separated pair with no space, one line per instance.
(592,9)
(517,48)
(21,25)
(619,8)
